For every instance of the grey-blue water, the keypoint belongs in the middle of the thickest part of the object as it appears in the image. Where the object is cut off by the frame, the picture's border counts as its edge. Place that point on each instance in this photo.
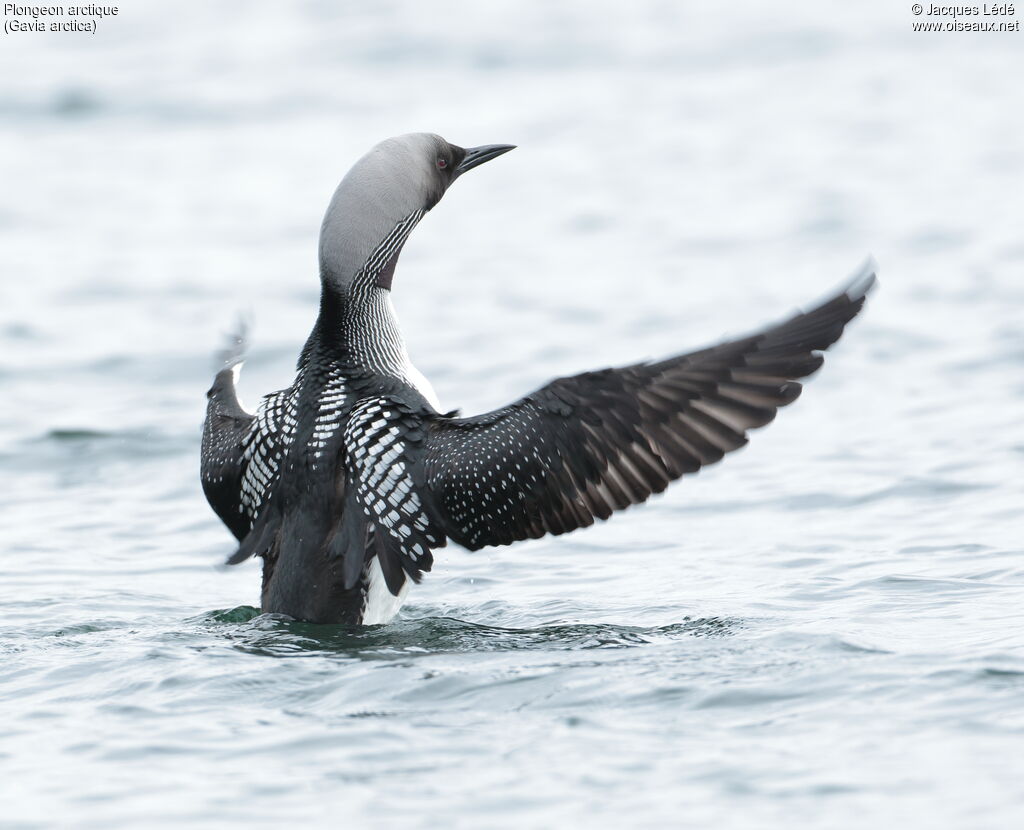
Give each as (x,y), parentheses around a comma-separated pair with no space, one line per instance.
(825,630)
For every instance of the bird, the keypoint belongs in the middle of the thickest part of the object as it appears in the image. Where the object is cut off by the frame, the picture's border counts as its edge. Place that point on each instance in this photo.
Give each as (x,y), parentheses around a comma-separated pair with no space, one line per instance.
(347,481)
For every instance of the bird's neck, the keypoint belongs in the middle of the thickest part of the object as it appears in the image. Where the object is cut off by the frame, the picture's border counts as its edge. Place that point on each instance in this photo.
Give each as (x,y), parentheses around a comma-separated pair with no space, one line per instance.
(358,326)
(359,329)
(363,324)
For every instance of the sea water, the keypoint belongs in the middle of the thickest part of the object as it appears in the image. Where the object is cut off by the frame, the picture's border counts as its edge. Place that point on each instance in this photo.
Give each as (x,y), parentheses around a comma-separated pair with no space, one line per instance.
(824,630)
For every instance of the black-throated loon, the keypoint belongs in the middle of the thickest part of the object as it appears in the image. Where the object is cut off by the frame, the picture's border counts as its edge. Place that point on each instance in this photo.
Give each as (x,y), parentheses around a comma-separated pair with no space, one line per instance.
(346,481)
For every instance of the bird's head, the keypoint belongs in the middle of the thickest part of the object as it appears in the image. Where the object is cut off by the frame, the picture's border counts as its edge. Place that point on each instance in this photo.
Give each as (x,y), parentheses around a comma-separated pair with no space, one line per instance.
(394,183)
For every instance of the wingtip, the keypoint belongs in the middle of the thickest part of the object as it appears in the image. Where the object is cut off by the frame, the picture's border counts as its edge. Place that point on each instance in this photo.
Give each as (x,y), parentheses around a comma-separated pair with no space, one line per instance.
(864,280)
(232,356)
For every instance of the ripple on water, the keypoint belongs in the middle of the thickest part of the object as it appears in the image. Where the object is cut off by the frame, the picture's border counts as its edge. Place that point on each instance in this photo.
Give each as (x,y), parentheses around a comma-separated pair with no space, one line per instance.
(825,629)
(274,635)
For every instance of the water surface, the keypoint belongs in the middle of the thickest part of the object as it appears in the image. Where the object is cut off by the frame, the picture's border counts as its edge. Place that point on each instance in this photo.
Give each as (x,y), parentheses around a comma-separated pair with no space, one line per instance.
(826,629)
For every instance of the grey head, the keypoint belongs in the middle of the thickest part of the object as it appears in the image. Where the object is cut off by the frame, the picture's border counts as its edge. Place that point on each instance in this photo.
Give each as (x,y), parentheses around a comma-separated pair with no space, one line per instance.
(395,182)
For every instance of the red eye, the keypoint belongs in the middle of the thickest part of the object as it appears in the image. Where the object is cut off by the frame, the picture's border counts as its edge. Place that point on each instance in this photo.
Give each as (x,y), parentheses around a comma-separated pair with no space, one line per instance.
(442,164)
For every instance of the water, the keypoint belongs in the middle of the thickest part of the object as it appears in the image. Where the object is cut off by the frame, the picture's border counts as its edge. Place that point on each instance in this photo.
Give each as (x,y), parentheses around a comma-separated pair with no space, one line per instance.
(825,629)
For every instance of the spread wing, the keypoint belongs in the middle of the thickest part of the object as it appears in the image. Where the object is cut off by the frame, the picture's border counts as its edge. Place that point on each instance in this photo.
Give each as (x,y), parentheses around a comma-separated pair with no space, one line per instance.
(241,452)
(582,447)
(221,459)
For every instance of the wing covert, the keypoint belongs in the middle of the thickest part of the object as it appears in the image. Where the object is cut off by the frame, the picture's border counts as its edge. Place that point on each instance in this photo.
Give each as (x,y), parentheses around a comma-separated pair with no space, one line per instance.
(383,441)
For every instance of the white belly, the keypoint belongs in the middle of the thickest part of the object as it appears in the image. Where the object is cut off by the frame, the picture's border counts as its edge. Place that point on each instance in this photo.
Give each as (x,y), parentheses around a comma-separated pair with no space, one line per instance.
(381,605)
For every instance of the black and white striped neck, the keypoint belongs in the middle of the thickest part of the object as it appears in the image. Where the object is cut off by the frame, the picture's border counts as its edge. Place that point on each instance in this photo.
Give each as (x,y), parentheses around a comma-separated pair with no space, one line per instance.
(358,321)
